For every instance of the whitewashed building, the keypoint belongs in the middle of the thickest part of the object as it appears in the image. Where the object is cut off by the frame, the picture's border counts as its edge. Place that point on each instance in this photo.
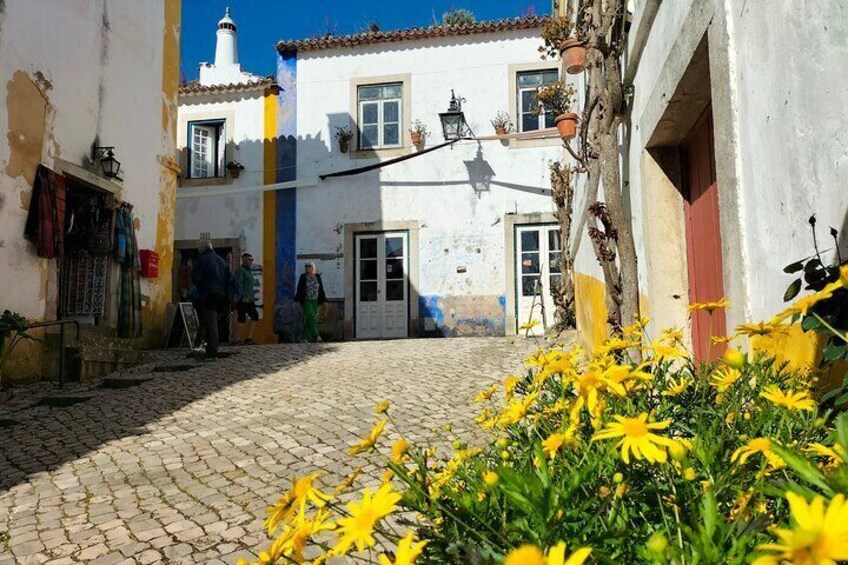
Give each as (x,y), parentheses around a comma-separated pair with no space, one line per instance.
(453,241)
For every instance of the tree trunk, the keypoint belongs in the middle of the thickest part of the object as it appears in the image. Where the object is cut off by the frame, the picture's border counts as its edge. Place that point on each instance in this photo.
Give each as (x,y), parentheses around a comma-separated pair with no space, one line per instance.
(562,187)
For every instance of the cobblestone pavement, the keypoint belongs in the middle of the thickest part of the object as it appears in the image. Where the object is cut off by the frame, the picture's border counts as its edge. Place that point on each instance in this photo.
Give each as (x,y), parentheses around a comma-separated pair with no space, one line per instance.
(180,468)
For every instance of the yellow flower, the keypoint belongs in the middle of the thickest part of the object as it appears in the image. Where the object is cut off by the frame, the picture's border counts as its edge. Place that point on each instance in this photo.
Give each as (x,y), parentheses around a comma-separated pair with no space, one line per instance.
(345,484)
(382,407)
(516,410)
(510,383)
(819,536)
(664,351)
(557,440)
(760,329)
(370,441)
(529,325)
(734,358)
(486,394)
(525,555)
(790,400)
(637,437)
(835,454)
(399,449)
(295,536)
(676,387)
(689,474)
(672,335)
(556,555)
(387,476)
(760,445)
(490,478)
(724,378)
(358,528)
(710,307)
(803,305)
(721,339)
(407,551)
(302,490)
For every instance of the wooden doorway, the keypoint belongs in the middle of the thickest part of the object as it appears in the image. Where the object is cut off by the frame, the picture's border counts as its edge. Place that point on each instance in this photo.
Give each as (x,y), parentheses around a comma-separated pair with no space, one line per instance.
(703,235)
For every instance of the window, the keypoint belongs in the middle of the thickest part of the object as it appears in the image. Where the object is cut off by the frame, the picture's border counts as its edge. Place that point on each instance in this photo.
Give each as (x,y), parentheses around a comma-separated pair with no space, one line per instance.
(380,115)
(528,83)
(206,143)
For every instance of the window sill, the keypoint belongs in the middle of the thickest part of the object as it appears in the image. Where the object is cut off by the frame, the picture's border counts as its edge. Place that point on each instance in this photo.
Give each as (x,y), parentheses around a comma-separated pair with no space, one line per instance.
(378,153)
(209,181)
(551,139)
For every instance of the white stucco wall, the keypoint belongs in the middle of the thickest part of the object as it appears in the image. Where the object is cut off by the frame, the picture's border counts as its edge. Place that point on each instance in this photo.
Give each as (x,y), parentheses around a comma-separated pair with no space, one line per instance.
(459,228)
(99,66)
(236,215)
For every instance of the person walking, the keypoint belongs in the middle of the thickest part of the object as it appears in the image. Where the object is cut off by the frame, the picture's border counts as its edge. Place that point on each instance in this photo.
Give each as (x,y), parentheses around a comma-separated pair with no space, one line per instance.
(310,294)
(212,277)
(246,306)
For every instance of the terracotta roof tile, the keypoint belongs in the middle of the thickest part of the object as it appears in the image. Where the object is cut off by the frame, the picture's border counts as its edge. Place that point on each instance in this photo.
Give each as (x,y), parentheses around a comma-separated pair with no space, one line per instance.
(371,37)
(195,88)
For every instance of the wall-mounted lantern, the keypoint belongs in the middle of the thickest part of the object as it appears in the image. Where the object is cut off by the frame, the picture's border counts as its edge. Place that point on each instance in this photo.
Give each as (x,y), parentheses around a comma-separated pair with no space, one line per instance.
(106,156)
(453,121)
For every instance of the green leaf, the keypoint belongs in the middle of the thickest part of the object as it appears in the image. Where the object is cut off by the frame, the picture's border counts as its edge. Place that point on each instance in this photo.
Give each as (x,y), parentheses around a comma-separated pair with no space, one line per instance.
(842,430)
(842,399)
(833,352)
(792,291)
(805,470)
(709,513)
(793,267)
(827,396)
(809,323)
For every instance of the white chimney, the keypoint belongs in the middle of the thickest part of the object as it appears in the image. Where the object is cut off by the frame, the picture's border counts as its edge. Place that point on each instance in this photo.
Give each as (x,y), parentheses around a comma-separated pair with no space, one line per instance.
(226,49)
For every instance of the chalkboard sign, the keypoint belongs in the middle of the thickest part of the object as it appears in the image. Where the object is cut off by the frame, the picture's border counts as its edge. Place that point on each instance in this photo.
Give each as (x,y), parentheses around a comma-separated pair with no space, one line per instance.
(184,326)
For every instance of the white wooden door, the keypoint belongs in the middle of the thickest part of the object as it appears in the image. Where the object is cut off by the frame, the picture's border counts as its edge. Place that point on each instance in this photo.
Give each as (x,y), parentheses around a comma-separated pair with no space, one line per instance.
(538,254)
(382,289)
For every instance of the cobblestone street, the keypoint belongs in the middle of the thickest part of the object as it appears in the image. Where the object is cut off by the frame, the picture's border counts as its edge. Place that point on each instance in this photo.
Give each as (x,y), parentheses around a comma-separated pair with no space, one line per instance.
(180,468)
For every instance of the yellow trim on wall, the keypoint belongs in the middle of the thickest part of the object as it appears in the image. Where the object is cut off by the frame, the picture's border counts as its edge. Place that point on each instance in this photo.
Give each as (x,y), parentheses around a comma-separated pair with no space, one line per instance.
(265,329)
(591,310)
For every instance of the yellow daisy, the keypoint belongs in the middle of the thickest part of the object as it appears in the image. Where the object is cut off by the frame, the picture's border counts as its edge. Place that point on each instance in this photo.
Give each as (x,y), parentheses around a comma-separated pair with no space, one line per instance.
(760,329)
(516,410)
(529,325)
(490,478)
(637,438)
(556,555)
(556,440)
(382,407)
(407,551)
(370,441)
(724,377)
(819,535)
(790,400)
(302,490)
(399,449)
(710,307)
(486,394)
(349,480)
(675,388)
(761,445)
(358,528)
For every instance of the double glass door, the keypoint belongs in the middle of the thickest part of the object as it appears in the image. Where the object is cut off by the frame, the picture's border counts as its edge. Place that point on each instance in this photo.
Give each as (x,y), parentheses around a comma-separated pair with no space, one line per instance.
(382,288)
(538,256)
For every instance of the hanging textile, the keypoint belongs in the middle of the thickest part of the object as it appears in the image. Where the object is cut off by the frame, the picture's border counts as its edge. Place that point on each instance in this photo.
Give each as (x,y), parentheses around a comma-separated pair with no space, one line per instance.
(126,252)
(46,215)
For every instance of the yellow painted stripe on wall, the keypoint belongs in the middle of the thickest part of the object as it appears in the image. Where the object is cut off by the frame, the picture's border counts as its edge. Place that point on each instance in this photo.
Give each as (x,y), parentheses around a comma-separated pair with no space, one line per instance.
(265,330)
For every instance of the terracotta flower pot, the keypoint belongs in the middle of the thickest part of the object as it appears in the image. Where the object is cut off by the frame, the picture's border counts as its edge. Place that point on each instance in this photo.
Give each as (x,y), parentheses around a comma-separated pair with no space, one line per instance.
(567,125)
(573,52)
(344,145)
(500,130)
(417,138)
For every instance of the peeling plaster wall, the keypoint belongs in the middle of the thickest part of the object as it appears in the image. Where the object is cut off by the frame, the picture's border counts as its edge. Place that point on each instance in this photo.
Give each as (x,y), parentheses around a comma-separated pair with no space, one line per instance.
(227,216)
(93,69)
(458,227)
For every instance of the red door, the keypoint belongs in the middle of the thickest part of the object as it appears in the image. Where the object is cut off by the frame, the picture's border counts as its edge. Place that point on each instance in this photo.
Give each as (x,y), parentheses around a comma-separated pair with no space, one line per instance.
(703,235)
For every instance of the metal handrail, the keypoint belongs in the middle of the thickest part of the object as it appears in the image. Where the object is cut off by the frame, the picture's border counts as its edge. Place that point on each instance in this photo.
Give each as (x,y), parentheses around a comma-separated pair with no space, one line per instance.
(61,324)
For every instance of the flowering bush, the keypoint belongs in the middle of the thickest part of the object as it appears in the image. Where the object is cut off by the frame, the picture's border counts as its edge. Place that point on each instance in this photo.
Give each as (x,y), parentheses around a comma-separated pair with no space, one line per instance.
(634,453)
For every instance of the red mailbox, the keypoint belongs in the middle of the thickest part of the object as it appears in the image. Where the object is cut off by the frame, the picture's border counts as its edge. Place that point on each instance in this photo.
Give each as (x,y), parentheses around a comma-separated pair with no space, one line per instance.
(149,263)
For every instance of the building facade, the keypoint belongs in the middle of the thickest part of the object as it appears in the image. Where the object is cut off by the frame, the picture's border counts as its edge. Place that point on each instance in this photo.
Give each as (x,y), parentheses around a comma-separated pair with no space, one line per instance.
(67,91)
(428,240)
(726,156)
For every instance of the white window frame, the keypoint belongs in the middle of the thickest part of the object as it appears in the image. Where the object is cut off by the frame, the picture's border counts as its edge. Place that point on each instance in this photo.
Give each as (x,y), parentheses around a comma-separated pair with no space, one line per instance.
(381,124)
(219,148)
(520,91)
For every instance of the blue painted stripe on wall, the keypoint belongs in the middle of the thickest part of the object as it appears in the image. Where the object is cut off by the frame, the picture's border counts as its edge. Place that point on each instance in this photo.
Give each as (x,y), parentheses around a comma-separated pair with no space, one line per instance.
(286,171)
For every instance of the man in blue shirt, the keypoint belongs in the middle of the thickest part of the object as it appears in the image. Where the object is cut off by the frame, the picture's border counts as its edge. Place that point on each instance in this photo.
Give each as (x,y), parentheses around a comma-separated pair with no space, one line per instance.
(211,276)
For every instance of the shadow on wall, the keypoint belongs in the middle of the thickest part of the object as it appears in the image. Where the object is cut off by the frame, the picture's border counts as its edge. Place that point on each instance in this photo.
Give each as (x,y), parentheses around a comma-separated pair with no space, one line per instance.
(39,443)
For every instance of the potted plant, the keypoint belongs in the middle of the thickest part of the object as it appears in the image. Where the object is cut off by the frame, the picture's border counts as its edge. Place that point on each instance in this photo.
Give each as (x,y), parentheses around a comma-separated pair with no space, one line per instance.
(417,133)
(556,98)
(558,38)
(343,135)
(502,123)
(235,168)
(14,329)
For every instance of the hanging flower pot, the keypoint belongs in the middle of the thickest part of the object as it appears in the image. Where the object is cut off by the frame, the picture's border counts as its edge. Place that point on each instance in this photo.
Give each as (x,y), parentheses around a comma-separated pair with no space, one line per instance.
(567,125)
(417,138)
(573,52)
(500,130)
(344,144)
(235,168)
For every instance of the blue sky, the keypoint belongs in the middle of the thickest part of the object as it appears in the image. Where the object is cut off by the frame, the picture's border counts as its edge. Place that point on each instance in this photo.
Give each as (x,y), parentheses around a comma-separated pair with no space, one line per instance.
(261,23)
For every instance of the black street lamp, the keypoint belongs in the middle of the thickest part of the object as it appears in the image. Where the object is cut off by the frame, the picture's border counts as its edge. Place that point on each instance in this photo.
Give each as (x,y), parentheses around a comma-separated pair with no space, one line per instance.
(108,163)
(453,121)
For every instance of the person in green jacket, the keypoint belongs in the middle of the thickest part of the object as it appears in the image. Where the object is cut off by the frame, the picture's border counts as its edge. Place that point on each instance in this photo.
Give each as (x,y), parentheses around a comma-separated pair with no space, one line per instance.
(310,294)
(246,305)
